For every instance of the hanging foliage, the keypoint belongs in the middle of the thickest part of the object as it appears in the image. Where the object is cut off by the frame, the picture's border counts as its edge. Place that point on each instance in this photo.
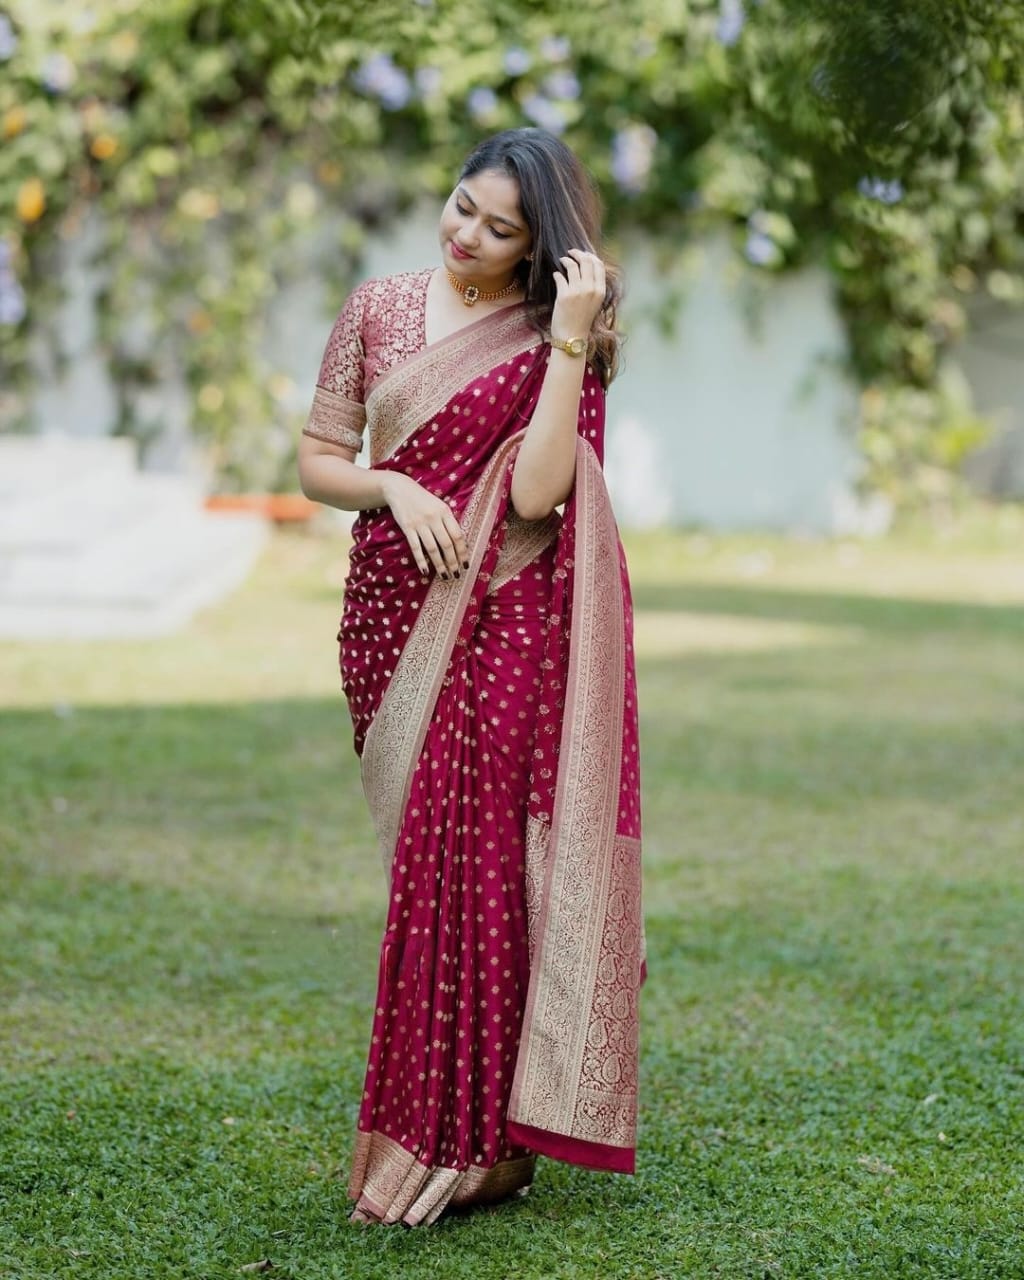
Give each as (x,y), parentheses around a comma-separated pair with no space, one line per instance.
(203,141)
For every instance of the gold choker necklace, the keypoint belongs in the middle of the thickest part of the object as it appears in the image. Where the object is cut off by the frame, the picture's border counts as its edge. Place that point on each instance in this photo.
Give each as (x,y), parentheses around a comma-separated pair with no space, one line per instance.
(470,292)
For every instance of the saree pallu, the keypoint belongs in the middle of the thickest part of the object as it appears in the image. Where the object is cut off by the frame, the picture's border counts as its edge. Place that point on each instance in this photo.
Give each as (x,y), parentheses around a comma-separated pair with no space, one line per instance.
(495,716)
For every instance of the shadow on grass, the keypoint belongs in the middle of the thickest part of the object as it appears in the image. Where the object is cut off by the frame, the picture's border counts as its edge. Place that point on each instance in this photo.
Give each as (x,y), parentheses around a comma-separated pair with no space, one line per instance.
(897,615)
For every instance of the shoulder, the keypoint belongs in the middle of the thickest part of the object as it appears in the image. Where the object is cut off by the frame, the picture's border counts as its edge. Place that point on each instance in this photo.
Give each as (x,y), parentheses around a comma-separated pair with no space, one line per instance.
(387,292)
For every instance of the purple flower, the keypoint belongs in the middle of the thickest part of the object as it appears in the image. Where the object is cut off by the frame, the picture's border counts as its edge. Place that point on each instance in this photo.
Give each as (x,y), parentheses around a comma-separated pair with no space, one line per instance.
(12,300)
(388,83)
(517,61)
(761,249)
(562,85)
(8,40)
(878,189)
(632,155)
(543,111)
(731,21)
(58,73)
(482,103)
(555,48)
(428,80)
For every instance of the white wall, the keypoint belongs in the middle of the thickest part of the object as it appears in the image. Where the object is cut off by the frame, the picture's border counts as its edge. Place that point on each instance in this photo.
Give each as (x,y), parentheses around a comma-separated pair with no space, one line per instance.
(992,357)
(740,418)
(723,423)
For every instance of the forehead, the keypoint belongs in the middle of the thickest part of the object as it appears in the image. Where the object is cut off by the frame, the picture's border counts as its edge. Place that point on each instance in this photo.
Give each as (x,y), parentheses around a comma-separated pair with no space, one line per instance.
(493,192)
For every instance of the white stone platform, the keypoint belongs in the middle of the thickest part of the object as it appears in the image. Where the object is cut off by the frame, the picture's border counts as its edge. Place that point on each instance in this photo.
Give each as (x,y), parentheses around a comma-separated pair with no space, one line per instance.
(91,547)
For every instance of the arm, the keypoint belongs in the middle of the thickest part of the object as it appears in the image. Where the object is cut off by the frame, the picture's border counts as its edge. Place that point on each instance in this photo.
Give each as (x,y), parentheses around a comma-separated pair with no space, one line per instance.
(331,440)
(546,464)
(328,474)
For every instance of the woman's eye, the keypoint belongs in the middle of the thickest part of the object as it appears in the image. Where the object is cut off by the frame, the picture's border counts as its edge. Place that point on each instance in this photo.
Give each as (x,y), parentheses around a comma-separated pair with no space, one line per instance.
(499,235)
(464,212)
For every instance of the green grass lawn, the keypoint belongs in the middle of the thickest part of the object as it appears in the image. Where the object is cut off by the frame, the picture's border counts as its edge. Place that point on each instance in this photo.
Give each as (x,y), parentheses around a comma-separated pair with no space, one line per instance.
(833,1068)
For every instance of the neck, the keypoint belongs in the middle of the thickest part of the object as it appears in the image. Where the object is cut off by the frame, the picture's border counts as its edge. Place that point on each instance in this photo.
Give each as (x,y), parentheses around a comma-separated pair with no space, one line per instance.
(487,291)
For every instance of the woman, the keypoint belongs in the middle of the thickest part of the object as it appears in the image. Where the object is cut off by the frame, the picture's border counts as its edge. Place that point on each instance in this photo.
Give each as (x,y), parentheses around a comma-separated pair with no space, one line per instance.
(486,653)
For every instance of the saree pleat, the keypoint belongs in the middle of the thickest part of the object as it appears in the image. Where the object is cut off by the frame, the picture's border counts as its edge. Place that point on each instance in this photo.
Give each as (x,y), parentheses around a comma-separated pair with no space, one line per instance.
(467,696)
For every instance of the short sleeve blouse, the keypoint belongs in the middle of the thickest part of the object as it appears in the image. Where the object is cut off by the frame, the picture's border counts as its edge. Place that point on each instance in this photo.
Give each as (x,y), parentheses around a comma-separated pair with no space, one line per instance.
(381,323)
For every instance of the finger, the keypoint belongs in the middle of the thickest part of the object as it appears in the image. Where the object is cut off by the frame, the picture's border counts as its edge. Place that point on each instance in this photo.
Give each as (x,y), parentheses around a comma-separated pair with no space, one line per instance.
(588,272)
(572,267)
(416,547)
(446,545)
(428,541)
(592,268)
(458,540)
(585,258)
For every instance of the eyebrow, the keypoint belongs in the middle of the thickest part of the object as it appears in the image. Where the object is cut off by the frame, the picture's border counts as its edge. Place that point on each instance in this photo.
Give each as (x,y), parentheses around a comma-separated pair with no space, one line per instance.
(493,217)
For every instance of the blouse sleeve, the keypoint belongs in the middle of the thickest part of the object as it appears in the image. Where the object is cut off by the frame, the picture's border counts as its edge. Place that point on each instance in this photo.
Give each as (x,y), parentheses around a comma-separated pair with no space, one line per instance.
(337,415)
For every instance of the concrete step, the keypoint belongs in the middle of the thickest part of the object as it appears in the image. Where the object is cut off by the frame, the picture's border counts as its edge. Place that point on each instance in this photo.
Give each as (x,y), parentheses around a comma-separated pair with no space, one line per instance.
(59,509)
(90,547)
(138,595)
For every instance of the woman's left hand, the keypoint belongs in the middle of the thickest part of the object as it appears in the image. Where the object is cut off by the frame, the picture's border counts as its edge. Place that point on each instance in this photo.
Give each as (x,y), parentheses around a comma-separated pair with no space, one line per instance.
(579,287)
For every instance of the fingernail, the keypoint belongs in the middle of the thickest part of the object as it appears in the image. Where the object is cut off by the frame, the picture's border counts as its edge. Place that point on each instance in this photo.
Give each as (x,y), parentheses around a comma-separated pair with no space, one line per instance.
(455,574)
(445,576)
(465,564)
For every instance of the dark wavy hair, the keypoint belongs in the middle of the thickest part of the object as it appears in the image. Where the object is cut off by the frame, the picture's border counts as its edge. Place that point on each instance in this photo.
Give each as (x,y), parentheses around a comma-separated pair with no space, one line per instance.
(562,210)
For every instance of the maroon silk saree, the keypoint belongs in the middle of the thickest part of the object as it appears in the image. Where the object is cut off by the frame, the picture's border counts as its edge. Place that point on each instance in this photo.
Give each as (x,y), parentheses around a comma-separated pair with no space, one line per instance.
(495,716)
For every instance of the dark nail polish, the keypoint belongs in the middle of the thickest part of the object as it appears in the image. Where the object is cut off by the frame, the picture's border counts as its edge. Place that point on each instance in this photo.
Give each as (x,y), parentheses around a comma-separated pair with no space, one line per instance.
(456,574)
(445,576)
(465,564)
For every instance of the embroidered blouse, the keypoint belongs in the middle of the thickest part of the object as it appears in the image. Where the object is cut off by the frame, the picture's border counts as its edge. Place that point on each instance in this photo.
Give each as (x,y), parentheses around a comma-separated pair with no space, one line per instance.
(382,323)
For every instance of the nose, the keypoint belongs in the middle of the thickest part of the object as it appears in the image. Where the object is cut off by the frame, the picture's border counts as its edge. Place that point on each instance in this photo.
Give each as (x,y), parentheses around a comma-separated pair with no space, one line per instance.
(469,235)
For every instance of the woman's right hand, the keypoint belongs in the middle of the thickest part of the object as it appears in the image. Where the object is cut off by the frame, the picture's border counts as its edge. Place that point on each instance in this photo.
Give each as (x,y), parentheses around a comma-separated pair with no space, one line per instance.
(434,535)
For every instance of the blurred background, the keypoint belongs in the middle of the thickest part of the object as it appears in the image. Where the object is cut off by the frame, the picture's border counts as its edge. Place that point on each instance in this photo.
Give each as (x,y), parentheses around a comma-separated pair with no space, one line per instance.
(819,214)
(816,451)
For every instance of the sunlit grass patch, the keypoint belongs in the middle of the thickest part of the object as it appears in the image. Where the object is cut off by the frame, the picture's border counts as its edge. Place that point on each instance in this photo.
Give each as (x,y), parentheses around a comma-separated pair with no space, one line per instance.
(831,1072)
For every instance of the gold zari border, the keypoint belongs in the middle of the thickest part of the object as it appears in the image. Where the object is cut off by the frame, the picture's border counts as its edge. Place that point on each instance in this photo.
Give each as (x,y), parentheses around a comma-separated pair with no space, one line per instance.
(576,1072)
(410,394)
(396,736)
(336,419)
(524,541)
(391,1184)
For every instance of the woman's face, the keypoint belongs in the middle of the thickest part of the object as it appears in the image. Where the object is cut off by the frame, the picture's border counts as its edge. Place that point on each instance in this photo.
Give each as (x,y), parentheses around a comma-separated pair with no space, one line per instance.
(483,233)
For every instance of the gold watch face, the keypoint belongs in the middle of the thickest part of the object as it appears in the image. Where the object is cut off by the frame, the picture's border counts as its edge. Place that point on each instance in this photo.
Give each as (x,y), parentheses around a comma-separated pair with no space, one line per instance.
(574,346)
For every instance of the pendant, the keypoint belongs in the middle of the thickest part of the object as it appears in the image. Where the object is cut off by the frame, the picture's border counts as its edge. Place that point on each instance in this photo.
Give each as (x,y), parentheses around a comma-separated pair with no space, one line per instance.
(471,295)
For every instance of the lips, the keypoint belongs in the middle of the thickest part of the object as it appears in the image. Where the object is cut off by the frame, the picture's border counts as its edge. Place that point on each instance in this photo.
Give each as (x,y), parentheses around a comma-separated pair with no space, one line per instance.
(461,254)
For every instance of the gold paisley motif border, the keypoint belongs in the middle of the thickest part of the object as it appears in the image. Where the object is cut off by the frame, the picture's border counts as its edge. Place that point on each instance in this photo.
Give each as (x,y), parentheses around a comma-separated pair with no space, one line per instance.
(393,1185)
(399,728)
(576,1070)
(524,541)
(412,392)
(336,419)
(538,835)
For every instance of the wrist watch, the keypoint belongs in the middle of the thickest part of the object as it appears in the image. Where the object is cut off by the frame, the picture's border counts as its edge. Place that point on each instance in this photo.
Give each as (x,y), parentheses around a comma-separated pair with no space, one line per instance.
(572,346)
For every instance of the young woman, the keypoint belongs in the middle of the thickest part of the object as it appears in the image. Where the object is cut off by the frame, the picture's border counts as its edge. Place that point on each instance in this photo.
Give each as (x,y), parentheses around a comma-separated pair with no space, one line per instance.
(486,654)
